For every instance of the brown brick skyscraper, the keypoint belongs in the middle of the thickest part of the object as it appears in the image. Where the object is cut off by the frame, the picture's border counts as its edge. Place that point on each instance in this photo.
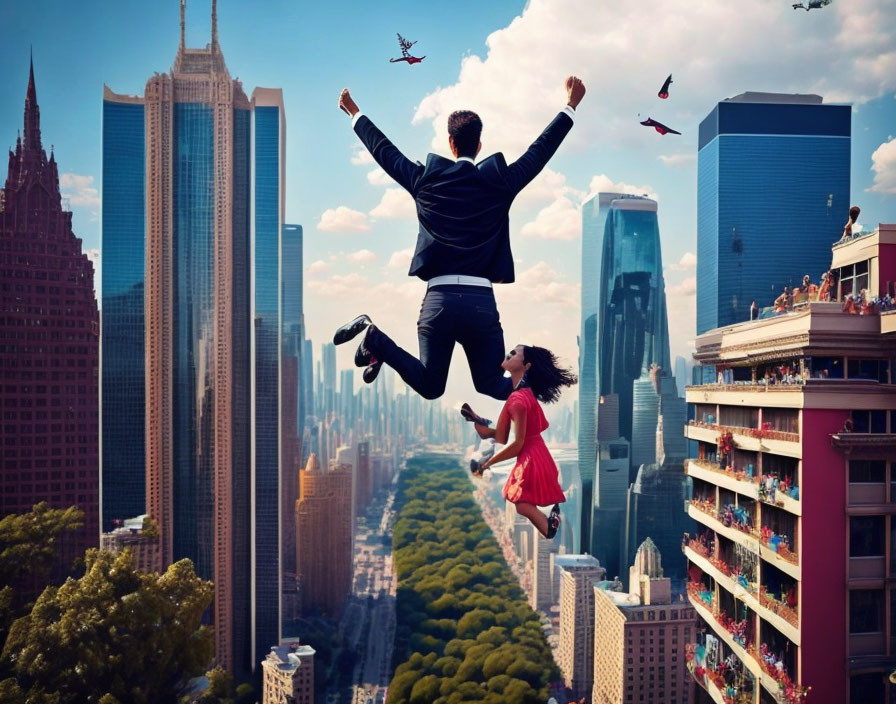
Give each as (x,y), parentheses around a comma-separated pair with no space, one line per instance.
(49,346)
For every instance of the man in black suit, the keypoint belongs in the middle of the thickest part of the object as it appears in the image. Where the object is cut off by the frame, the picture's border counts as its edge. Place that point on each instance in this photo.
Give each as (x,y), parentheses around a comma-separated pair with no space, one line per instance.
(463,247)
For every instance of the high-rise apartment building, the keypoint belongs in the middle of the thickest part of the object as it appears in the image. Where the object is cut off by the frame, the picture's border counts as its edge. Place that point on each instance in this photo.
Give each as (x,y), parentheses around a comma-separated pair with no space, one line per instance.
(767,164)
(575,656)
(541,597)
(791,569)
(288,674)
(640,638)
(325,530)
(49,359)
(212,204)
(138,536)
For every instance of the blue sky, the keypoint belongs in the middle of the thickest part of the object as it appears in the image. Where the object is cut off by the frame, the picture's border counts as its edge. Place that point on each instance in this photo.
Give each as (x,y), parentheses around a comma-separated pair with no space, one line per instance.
(506,60)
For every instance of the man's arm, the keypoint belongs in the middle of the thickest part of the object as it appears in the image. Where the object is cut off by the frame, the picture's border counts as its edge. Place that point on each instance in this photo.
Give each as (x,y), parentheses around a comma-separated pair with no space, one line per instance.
(393,162)
(528,166)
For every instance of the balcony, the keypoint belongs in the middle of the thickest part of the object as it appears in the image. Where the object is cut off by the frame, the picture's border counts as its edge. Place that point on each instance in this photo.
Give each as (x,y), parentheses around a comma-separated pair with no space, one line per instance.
(784,618)
(759,661)
(704,512)
(714,473)
(775,550)
(776,496)
(756,439)
(713,681)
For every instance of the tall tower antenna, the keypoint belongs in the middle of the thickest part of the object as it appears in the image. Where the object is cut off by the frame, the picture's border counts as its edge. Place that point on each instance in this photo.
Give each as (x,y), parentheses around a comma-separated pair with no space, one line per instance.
(214,25)
(183,24)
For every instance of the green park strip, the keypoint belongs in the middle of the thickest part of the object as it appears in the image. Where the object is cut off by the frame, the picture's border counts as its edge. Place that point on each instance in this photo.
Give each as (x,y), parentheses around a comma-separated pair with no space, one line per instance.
(465,632)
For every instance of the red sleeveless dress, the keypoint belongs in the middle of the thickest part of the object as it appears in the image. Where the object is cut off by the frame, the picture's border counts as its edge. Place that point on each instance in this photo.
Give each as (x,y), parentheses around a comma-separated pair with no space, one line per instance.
(535,478)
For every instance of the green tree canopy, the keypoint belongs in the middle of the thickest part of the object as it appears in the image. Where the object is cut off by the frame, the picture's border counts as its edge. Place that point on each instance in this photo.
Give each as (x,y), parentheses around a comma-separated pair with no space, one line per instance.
(115,634)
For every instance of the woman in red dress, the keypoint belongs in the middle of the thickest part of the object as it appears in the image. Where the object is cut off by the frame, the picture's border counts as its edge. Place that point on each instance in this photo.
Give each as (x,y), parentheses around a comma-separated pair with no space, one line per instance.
(534,480)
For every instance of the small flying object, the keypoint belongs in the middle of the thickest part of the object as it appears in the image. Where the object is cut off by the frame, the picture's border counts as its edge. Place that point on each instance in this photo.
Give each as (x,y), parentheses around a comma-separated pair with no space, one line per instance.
(664,91)
(406,56)
(812,5)
(659,126)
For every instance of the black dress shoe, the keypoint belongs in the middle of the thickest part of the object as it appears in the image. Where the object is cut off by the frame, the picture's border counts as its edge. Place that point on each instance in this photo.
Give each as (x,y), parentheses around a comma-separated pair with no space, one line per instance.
(371,372)
(363,355)
(352,329)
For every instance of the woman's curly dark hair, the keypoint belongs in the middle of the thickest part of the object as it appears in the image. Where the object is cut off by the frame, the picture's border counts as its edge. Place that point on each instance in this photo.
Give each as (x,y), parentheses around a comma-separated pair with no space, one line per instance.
(544,376)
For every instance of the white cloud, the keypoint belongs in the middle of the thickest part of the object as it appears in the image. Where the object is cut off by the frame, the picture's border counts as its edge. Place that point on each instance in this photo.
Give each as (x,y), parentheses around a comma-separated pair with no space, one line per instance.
(678,161)
(541,283)
(356,288)
(688,287)
(361,157)
(604,184)
(362,256)
(401,259)
(395,204)
(317,268)
(688,262)
(846,52)
(79,190)
(378,177)
(343,219)
(548,186)
(560,220)
(883,163)
(338,285)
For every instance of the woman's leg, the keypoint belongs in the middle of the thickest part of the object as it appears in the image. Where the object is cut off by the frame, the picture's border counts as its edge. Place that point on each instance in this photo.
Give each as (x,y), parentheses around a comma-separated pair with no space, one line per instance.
(536,517)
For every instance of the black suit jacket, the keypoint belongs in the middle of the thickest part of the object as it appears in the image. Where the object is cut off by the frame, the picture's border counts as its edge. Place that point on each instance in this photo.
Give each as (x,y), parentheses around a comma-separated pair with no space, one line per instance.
(463,209)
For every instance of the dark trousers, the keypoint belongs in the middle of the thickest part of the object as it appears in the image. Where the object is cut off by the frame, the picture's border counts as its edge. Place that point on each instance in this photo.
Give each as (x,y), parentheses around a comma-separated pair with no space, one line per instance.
(449,314)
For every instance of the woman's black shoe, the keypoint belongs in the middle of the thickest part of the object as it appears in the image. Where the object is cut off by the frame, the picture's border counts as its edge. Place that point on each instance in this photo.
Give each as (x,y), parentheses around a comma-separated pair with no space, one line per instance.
(553,522)
(476,468)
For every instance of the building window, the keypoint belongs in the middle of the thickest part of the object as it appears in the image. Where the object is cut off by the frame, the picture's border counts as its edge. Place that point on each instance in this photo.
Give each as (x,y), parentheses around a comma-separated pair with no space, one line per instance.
(867,471)
(866,536)
(866,611)
(869,421)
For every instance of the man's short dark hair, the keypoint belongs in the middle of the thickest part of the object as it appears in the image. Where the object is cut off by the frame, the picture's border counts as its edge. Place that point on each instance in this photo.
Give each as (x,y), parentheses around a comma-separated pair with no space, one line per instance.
(466,129)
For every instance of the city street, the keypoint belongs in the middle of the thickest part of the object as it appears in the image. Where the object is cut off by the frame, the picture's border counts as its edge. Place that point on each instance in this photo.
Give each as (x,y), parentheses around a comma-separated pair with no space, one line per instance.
(369,622)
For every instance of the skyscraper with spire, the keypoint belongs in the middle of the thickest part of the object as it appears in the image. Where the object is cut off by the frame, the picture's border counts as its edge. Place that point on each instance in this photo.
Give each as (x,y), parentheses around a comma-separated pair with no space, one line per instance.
(213,172)
(50,352)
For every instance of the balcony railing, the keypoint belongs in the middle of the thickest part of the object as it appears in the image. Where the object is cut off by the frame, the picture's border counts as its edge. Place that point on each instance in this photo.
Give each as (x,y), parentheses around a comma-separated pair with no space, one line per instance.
(722,684)
(779,607)
(764,432)
(779,544)
(736,474)
(776,679)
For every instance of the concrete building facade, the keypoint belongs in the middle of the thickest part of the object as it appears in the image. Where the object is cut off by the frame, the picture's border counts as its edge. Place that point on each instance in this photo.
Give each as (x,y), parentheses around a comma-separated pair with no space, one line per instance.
(791,571)
(575,656)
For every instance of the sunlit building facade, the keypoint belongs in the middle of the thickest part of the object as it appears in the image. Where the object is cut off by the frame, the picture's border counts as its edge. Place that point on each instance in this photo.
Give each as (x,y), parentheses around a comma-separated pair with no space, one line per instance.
(207,189)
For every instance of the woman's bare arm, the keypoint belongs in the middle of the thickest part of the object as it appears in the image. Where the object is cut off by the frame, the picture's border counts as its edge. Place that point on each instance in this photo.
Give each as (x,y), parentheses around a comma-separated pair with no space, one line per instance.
(518,418)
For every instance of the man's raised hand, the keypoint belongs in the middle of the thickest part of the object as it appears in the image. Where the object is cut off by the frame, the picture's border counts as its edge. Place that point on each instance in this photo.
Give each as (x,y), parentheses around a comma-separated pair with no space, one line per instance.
(575,91)
(346,104)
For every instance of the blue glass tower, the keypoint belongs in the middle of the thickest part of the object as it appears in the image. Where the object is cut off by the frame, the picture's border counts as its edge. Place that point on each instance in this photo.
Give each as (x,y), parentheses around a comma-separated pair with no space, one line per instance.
(269,132)
(634,331)
(772,182)
(123,242)
(594,216)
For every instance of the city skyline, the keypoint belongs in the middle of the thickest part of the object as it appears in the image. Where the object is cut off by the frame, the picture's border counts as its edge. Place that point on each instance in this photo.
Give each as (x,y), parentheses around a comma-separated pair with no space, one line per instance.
(609,147)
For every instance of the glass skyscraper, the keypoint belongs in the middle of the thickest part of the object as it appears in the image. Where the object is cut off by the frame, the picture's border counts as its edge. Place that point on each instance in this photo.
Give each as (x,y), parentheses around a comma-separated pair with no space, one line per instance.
(293,408)
(594,216)
(634,332)
(122,340)
(211,307)
(269,132)
(772,194)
